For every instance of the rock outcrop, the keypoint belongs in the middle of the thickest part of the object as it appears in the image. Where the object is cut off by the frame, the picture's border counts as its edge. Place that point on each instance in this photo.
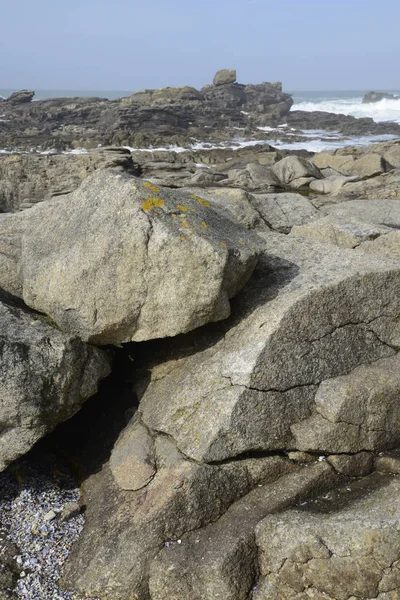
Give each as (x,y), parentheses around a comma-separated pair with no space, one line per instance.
(45,377)
(314,324)
(20,97)
(377,97)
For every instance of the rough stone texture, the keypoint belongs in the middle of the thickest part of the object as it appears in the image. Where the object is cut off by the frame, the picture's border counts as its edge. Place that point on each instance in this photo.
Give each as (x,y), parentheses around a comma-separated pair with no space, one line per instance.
(145,262)
(355,412)
(283,211)
(340,164)
(219,562)
(383,186)
(388,462)
(295,172)
(367,166)
(125,529)
(9,570)
(11,230)
(319,310)
(234,203)
(381,212)
(343,547)
(20,97)
(45,377)
(330,185)
(254,177)
(387,245)
(26,179)
(224,76)
(133,461)
(347,233)
(352,465)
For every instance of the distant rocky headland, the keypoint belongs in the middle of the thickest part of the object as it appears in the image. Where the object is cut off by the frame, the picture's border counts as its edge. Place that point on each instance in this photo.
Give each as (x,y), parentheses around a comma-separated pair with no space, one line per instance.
(166,116)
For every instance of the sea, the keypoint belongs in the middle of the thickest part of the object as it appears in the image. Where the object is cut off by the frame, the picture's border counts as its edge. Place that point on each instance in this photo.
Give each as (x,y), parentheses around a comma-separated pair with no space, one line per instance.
(347,102)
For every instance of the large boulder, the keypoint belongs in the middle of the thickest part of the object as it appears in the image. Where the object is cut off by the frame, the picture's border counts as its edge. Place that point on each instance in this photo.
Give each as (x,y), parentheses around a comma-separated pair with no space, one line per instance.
(295,172)
(145,262)
(344,546)
(21,97)
(319,310)
(380,212)
(45,377)
(224,76)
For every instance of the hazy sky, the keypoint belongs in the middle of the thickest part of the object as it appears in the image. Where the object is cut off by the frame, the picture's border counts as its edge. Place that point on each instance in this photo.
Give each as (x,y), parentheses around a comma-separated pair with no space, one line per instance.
(133,44)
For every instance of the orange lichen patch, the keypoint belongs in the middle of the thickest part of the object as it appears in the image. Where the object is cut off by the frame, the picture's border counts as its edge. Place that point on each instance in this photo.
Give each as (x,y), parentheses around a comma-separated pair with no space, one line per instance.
(223,244)
(203,224)
(151,203)
(151,187)
(201,201)
(181,208)
(242,242)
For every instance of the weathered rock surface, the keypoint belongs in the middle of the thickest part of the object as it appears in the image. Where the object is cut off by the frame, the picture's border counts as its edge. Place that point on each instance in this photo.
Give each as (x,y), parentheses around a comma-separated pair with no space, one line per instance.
(126,529)
(314,308)
(343,547)
(284,211)
(381,212)
(295,172)
(387,245)
(26,179)
(347,233)
(20,97)
(219,562)
(355,412)
(45,377)
(145,262)
(225,76)
(9,569)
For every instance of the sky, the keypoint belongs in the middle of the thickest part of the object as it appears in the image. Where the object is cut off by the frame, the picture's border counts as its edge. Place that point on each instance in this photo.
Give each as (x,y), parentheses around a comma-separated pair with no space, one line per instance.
(135,44)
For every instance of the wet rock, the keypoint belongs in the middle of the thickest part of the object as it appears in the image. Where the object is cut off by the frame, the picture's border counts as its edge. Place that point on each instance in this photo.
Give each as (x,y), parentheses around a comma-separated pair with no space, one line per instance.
(377,97)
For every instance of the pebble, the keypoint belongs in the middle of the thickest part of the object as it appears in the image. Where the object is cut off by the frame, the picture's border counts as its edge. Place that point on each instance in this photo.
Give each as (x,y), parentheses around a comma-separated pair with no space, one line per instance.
(31,499)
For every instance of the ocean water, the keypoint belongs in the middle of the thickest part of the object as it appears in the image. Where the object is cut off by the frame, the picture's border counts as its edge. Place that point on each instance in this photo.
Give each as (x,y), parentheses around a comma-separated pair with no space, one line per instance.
(347,102)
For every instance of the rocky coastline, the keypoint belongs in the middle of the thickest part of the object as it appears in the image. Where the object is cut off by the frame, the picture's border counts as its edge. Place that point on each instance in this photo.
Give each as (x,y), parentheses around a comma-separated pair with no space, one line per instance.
(200,389)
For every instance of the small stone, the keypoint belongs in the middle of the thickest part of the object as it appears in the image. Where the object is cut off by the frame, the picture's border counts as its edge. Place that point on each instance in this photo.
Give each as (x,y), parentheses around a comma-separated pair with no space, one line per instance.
(70,510)
(49,516)
(302,457)
(356,465)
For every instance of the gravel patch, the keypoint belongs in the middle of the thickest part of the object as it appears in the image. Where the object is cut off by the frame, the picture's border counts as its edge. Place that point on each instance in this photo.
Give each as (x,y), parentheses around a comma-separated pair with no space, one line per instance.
(33,503)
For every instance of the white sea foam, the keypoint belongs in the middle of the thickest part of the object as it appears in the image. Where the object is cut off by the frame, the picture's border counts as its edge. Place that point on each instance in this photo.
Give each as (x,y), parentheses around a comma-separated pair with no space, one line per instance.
(384,110)
(320,145)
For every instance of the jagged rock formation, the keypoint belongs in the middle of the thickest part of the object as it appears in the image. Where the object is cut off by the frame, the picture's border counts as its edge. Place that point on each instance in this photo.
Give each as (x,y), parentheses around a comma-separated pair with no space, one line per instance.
(157,117)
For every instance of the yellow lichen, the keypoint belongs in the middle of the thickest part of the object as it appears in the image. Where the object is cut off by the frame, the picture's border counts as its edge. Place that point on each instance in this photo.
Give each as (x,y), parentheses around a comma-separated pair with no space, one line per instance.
(152,187)
(183,239)
(201,201)
(242,242)
(184,224)
(181,208)
(151,203)
(203,224)
(223,244)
